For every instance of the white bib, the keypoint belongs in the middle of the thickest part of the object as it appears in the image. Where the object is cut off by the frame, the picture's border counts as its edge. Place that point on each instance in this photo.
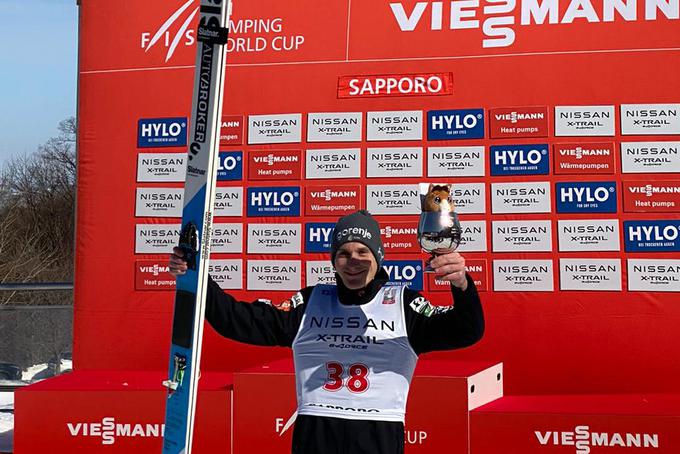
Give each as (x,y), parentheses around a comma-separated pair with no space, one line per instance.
(353,362)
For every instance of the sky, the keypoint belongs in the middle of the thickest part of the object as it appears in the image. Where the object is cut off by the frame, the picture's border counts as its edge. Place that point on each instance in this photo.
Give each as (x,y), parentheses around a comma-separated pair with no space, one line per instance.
(38,72)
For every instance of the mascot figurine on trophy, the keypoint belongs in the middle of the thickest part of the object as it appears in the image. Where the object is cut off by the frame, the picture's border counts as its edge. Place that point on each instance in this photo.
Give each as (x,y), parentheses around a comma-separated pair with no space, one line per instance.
(439,229)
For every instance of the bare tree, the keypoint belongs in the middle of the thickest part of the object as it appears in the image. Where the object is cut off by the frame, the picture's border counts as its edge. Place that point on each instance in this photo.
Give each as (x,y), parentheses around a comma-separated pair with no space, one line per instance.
(37,200)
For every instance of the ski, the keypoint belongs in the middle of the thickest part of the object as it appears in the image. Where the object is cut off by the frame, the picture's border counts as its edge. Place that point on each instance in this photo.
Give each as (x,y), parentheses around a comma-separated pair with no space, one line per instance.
(195,235)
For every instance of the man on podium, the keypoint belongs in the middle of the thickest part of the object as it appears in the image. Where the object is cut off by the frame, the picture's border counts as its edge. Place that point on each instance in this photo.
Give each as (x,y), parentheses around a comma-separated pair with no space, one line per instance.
(355,344)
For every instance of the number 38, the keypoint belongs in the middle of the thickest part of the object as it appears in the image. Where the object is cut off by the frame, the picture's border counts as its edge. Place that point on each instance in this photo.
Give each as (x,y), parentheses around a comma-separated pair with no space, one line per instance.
(357,381)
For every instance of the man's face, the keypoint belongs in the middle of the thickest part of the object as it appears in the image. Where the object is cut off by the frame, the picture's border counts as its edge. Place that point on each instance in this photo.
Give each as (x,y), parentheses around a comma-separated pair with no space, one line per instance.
(355,264)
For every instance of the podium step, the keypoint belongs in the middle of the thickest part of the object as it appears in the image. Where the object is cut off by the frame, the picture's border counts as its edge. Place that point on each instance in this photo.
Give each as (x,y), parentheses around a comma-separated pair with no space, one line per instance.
(114,412)
(442,392)
(578,424)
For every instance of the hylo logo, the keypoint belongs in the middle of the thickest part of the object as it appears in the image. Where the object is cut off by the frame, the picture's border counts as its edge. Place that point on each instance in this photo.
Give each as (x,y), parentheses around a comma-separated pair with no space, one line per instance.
(230,166)
(586,197)
(455,124)
(318,238)
(162,132)
(409,272)
(274,201)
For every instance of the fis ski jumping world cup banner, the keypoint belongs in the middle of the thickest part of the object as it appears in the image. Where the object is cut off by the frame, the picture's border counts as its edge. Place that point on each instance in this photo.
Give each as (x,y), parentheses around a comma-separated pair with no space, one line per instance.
(556,122)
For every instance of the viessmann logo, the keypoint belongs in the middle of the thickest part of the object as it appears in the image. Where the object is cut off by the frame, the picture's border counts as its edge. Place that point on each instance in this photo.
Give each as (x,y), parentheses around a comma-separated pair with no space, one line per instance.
(109,430)
(498,20)
(583,439)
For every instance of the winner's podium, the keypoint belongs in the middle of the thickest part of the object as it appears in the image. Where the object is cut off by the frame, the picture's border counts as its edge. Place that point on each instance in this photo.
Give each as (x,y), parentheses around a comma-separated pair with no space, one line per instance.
(115,412)
(577,424)
(442,394)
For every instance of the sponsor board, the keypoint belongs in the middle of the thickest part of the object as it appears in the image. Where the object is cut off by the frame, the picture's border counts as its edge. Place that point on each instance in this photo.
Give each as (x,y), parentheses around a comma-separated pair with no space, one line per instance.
(588,235)
(584,158)
(274,164)
(332,201)
(394,125)
(653,275)
(274,275)
(284,128)
(162,132)
(590,274)
(523,275)
(161,167)
(661,196)
(469,198)
(455,124)
(159,202)
(228,201)
(333,163)
(319,272)
(274,238)
(455,161)
(584,120)
(228,273)
(396,199)
(652,236)
(473,236)
(409,272)
(394,162)
(400,236)
(227,238)
(531,159)
(656,119)
(231,130)
(274,201)
(334,127)
(318,236)
(513,122)
(508,198)
(476,268)
(230,166)
(156,238)
(521,236)
(586,197)
(422,84)
(650,157)
(153,275)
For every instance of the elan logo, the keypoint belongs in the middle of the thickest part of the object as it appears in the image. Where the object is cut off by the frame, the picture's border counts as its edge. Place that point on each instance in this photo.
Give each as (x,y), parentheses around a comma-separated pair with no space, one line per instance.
(582,439)
(109,430)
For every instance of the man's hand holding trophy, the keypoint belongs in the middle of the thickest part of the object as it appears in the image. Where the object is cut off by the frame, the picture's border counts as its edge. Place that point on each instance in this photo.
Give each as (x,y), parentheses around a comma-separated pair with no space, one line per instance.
(439,233)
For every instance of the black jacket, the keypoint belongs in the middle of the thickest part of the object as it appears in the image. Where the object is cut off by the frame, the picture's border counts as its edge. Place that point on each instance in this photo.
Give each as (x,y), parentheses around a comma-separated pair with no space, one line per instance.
(429,328)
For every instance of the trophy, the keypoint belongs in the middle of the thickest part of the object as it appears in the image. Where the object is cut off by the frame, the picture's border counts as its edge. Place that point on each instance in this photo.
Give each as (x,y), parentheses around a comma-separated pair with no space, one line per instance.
(438,227)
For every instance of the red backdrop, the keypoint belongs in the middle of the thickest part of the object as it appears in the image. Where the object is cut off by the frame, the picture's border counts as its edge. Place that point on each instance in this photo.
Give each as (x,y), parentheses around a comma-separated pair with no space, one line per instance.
(558,341)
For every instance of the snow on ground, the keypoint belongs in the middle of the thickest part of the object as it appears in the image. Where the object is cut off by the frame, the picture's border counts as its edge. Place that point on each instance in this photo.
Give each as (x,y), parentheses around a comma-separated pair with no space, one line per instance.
(28,374)
(6,421)
(6,401)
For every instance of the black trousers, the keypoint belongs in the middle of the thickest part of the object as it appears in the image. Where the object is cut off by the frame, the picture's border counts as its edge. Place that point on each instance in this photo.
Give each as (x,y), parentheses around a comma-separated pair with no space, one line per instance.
(324,435)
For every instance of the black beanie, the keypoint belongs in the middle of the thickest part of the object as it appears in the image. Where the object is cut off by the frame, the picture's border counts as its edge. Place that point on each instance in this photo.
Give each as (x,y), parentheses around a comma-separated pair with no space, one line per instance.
(361,227)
